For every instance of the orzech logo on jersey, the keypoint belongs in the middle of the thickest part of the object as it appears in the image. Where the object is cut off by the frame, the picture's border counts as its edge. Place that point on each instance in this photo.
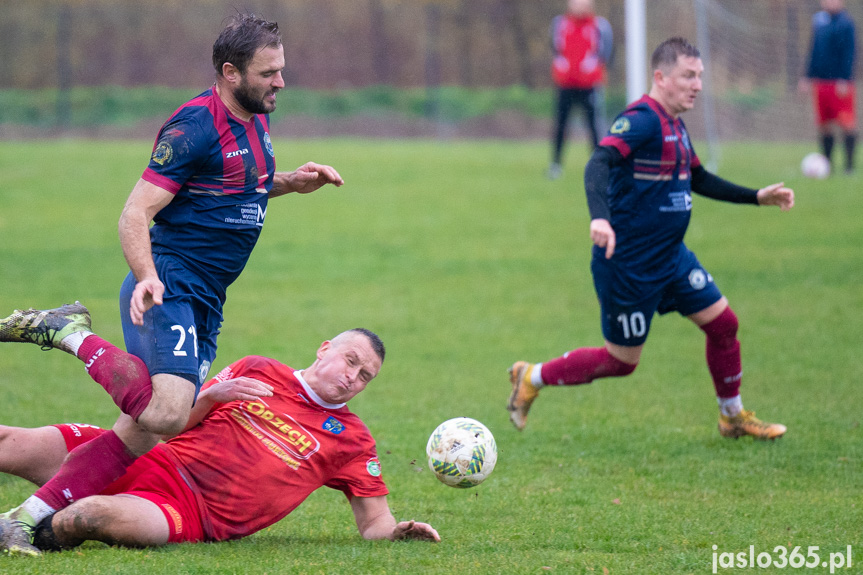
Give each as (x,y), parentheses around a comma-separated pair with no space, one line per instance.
(280,428)
(269,144)
(333,425)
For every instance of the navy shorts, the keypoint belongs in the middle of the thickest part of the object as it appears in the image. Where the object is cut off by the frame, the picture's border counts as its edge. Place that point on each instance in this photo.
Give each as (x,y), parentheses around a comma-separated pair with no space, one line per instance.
(179,336)
(628,302)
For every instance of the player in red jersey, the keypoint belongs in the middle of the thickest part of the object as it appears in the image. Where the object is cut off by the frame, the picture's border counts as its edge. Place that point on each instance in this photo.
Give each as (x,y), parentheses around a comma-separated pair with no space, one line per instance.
(261,438)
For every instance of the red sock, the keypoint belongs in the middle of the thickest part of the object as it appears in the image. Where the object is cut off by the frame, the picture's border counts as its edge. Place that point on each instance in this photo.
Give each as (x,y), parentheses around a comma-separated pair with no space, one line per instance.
(87,470)
(123,375)
(583,366)
(723,354)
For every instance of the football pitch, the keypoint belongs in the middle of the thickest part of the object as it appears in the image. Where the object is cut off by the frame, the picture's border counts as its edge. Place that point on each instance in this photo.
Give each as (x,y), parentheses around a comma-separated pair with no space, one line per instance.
(464,259)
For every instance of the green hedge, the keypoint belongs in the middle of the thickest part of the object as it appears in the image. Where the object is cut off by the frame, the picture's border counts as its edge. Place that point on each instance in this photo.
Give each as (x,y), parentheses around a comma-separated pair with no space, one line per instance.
(114,105)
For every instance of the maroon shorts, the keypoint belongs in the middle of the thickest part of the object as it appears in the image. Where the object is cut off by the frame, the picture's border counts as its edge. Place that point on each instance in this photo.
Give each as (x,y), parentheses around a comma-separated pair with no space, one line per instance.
(834,103)
(153,477)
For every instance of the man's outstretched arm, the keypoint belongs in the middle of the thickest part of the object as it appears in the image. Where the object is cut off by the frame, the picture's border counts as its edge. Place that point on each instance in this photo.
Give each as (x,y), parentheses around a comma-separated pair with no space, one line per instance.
(306,179)
(712,186)
(375,521)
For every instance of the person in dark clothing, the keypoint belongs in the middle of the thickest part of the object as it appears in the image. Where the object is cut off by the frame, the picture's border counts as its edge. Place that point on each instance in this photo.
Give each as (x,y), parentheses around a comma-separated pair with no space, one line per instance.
(830,77)
(583,45)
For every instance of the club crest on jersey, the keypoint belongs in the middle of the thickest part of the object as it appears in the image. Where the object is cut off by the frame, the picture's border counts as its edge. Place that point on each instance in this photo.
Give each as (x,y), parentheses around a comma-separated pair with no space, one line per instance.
(620,126)
(269,144)
(163,153)
(333,425)
(373,466)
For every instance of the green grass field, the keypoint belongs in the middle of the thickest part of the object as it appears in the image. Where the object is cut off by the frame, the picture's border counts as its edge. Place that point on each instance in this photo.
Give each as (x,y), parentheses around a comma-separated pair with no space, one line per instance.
(464,259)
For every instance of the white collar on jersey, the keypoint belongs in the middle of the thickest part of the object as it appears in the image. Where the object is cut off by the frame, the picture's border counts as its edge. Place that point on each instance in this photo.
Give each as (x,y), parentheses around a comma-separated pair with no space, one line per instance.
(315,397)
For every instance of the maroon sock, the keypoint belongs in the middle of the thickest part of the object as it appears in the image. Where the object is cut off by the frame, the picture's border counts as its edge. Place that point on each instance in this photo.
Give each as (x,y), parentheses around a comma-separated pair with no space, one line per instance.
(87,470)
(583,366)
(123,375)
(723,354)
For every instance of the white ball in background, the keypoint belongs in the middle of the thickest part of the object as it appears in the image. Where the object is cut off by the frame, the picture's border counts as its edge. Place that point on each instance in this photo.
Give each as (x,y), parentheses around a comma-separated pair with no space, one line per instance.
(815,166)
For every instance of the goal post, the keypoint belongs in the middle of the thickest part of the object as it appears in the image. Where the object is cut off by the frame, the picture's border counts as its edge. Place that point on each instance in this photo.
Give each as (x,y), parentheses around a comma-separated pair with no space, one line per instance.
(636,49)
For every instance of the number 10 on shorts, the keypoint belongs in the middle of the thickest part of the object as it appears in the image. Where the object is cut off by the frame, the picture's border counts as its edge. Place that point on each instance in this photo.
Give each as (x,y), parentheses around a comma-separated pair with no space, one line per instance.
(634,324)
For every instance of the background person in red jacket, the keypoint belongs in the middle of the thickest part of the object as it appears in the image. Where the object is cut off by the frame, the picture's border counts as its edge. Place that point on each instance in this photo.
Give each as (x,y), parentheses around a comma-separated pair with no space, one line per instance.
(582,44)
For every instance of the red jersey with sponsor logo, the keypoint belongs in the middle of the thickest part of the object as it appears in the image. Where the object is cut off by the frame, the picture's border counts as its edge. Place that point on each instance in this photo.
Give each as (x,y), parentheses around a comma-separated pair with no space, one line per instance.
(271,453)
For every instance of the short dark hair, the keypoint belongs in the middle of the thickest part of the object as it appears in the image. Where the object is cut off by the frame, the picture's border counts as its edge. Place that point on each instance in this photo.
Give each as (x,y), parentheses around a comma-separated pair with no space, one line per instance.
(374,340)
(666,54)
(241,38)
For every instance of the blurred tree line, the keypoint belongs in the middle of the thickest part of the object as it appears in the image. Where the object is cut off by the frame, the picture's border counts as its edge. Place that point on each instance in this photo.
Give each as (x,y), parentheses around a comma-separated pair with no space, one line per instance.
(328,43)
(757,48)
(336,43)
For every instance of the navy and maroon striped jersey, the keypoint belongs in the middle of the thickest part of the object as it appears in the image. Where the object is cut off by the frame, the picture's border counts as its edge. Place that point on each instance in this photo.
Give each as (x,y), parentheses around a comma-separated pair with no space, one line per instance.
(220,169)
(649,192)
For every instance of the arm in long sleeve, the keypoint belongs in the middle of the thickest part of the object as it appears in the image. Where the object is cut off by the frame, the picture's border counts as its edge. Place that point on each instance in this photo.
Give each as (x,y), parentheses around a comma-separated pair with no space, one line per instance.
(596,174)
(712,186)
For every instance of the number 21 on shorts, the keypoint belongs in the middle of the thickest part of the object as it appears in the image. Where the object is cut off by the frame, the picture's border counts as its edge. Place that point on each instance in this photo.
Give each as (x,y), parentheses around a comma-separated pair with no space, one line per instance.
(178,349)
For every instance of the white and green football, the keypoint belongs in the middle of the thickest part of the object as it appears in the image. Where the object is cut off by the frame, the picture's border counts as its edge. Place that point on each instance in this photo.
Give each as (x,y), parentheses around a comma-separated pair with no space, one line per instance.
(461,452)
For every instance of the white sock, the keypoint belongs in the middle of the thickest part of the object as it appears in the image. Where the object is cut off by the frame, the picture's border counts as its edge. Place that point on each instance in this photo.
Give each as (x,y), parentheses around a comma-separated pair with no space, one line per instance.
(730,406)
(73,341)
(536,376)
(37,508)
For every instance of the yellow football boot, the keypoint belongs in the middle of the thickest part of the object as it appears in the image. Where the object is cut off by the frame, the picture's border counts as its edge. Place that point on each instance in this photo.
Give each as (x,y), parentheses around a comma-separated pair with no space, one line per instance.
(745,423)
(523,393)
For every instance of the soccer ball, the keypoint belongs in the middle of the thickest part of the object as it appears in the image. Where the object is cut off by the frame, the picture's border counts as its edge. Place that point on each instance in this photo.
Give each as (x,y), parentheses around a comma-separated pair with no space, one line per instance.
(815,166)
(461,452)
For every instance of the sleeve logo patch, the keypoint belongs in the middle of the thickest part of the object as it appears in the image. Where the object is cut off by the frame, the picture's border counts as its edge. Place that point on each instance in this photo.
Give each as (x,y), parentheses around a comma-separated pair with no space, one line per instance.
(163,153)
(333,425)
(620,126)
(373,466)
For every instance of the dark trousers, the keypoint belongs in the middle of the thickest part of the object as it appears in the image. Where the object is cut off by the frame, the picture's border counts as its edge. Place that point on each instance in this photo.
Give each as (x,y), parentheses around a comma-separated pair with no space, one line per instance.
(566,99)
(827,142)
